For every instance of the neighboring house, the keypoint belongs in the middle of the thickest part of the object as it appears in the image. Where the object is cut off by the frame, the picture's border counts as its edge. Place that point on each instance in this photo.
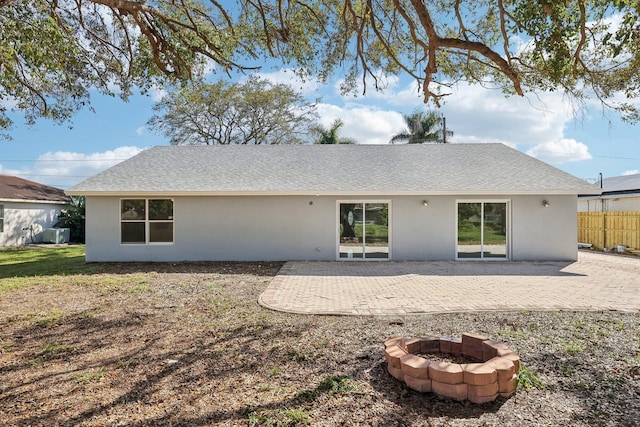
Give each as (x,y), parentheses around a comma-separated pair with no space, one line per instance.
(619,194)
(331,202)
(27,208)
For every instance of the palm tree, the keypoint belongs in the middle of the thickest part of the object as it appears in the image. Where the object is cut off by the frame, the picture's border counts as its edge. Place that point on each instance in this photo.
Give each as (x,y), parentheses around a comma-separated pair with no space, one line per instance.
(330,135)
(421,127)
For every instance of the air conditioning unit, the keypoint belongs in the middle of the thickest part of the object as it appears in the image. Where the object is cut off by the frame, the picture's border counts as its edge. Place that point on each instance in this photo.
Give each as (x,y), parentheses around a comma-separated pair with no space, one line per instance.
(56,235)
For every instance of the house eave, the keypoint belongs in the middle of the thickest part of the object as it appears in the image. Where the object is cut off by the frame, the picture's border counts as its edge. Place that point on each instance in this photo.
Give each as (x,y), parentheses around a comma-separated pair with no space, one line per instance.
(612,195)
(43,202)
(341,193)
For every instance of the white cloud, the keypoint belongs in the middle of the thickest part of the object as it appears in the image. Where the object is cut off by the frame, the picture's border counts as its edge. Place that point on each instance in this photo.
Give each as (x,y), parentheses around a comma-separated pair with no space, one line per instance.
(365,124)
(64,168)
(7,171)
(157,93)
(411,95)
(474,112)
(475,115)
(631,172)
(562,151)
(289,77)
(9,103)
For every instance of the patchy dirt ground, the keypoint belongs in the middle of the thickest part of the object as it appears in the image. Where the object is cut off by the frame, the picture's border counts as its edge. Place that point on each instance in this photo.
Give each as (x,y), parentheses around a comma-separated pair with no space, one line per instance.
(188,345)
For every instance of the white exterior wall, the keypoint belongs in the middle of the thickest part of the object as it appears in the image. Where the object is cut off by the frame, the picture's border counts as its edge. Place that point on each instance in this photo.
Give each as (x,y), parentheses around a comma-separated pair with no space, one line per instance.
(622,203)
(544,234)
(18,216)
(280,228)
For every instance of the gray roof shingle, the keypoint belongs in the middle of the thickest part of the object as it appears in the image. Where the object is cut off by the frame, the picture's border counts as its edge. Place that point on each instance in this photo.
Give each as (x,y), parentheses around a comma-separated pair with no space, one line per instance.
(625,183)
(332,169)
(14,188)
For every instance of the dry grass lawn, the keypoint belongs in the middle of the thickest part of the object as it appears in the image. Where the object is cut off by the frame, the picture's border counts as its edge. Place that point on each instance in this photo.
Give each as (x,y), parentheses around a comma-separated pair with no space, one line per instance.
(188,345)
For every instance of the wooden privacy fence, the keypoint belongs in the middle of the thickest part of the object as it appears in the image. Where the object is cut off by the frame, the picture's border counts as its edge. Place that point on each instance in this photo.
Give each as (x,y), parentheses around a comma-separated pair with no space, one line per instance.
(609,229)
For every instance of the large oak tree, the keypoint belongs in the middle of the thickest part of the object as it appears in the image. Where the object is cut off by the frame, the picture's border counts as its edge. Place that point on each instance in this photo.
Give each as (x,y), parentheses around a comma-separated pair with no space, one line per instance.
(254,111)
(54,51)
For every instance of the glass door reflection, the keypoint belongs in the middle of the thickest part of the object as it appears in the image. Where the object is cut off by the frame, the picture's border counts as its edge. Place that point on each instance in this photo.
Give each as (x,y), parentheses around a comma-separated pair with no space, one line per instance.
(482,230)
(364,231)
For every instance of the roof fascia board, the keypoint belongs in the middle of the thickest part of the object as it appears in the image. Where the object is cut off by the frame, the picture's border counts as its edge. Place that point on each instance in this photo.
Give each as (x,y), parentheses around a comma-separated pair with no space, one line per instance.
(42,202)
(316,193)
(611,196)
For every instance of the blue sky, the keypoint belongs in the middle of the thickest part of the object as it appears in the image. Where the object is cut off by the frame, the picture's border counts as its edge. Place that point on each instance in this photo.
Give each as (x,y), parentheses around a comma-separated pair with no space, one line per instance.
(583,142)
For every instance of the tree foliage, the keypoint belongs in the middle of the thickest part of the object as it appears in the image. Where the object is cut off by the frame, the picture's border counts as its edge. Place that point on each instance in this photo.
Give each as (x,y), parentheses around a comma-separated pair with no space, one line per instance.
(331,135)
(421,127)
(251,112)
(73,218)
(54,51)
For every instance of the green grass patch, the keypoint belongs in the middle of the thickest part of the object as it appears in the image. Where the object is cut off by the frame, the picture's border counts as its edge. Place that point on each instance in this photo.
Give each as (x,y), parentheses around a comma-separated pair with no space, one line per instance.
(275,371)
(219,305)
(511,334)
(296,355)
(528,379)
(60,267)
(127,362)
(6,345)
(140,287)
(570,347)
(36,362)
(38,261)
(336,385)
(49,319)
(27,266)
(89,376)
(287,417)
(54,349)
(331,385)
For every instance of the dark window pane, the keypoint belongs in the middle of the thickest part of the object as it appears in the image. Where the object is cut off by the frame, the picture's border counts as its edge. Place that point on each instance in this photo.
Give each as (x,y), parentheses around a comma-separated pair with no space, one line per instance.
(469,230)
(132,209)
(161,232)
(376,225)
(351,230)
(160,209)
(132,232)
(495,230)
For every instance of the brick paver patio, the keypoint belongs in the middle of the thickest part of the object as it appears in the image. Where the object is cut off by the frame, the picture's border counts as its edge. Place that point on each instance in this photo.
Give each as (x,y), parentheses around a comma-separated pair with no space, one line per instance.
(595,282)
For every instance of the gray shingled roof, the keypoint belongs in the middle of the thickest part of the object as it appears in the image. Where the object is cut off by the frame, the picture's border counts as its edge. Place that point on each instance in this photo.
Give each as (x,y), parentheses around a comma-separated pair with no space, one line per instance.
(626,183)
(332,169)
(14,188)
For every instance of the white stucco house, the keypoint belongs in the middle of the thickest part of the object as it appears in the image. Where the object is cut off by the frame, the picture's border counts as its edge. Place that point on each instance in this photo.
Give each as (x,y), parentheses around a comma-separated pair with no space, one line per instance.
(27,208)
(331,202)
(619,194)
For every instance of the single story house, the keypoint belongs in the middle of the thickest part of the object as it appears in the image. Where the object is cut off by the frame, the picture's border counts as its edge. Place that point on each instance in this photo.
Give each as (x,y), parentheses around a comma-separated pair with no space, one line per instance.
(331,202)
(27,208)
(619,194)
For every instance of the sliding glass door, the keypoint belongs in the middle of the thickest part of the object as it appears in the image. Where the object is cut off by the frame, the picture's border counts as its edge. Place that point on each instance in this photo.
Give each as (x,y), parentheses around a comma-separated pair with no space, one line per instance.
(363,230)
(482,230)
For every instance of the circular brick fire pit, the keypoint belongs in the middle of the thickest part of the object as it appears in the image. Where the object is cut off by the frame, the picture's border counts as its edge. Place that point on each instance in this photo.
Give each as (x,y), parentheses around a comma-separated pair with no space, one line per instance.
(494,375)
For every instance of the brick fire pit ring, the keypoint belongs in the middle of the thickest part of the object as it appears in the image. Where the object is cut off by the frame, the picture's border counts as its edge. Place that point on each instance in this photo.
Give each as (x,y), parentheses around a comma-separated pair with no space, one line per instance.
(494,375)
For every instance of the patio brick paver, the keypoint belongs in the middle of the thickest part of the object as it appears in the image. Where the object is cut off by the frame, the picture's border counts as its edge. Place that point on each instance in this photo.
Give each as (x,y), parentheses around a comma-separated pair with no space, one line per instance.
(595,282)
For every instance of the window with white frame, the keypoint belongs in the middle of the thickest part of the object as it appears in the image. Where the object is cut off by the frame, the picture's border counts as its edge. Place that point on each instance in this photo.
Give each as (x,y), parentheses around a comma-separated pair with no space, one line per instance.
(1,218)
(145,221)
